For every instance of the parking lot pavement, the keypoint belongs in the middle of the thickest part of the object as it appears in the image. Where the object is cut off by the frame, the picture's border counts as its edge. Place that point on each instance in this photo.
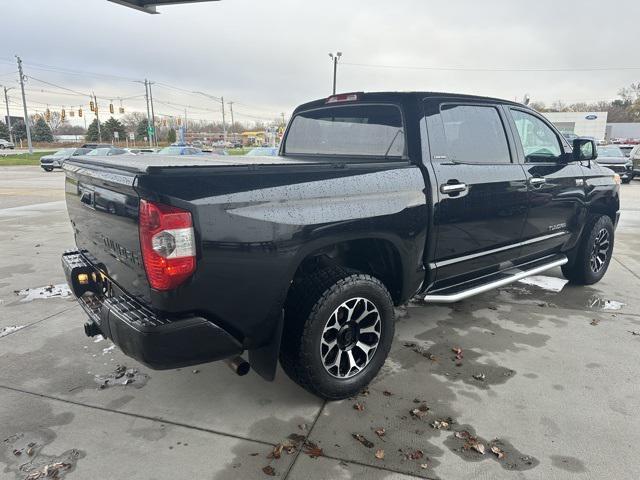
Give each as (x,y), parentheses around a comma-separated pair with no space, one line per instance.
(547,378)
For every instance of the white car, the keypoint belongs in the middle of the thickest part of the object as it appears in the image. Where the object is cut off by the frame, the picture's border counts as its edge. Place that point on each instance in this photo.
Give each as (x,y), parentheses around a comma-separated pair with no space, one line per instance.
(6,144)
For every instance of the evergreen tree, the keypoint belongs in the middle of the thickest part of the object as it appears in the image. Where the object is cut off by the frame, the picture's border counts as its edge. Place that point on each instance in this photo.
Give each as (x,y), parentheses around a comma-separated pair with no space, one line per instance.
(171,135)
(41,131)
(92,132)
(141,130)
(113,125)
(19,131)
(4,131)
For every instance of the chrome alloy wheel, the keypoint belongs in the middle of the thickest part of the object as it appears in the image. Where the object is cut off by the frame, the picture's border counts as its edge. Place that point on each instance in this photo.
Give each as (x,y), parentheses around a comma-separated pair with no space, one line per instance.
(600,250)
(350,338)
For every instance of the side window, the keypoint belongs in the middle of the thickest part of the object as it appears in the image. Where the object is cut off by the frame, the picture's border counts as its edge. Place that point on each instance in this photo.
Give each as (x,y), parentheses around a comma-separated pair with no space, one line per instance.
(474,134)
(539,141)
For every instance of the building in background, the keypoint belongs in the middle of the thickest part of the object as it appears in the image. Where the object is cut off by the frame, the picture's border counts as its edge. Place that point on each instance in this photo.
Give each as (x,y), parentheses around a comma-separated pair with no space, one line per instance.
(583,124)
(623,131)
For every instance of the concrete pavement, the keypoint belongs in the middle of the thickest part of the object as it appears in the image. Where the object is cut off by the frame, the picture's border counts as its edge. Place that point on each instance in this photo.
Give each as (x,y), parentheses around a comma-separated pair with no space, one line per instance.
(549,378)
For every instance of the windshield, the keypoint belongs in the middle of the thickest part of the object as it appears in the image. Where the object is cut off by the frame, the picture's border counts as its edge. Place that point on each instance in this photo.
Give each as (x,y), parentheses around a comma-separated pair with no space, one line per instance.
(610,152)
(65,152)
(99,151)
(354,130)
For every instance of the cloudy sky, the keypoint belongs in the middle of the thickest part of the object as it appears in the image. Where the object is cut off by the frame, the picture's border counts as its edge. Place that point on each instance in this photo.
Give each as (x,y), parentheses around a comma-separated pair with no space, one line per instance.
(269,55)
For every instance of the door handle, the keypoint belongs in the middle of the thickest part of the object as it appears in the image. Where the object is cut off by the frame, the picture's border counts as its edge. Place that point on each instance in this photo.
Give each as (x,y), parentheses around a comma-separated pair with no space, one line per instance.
(537,181)
(449,188)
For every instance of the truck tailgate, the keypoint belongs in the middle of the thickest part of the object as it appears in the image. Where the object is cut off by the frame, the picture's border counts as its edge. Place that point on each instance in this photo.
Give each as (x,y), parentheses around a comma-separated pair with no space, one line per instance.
(103,209)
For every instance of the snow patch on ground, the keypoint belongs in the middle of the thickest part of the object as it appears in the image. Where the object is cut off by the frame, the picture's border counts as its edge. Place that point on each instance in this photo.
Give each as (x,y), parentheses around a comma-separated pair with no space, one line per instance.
(551,284)
(108,349)
(7,330)
(98,338)
(60,290)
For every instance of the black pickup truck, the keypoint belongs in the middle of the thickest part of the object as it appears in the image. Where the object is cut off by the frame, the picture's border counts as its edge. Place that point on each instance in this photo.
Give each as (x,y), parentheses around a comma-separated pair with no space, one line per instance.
(374,198)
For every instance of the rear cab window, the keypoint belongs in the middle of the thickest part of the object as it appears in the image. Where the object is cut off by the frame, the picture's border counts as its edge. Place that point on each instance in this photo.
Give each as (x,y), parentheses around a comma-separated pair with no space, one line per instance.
(354,130)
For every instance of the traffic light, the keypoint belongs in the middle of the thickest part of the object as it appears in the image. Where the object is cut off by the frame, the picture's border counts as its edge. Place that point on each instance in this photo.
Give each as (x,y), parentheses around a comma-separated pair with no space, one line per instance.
(71,113)
(121,109)
(62,114)
(79,112)
(92,107)
(111,110)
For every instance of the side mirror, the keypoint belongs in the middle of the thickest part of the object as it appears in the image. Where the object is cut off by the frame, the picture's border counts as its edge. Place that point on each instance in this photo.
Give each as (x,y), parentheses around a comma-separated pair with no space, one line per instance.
(584,149)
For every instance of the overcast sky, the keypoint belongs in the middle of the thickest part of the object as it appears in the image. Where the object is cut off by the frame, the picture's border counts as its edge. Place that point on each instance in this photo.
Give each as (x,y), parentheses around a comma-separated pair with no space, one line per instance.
(269,55)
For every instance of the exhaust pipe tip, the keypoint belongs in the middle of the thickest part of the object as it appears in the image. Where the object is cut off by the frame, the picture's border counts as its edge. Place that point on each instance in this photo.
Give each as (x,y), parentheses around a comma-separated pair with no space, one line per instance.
(238,365)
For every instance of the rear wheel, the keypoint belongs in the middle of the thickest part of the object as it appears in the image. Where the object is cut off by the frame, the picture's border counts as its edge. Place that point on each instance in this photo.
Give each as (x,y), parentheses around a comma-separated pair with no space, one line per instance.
(593,253)
(48,169)
(339,326)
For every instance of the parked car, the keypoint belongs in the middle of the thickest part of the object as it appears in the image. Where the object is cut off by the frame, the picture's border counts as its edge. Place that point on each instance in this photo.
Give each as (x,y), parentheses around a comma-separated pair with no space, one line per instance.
(375,198)
(108,152)
(634,155)
(180,150)
(263,152)
(49,162)
(6,144)
(141,150)
(626,148)
(611,156)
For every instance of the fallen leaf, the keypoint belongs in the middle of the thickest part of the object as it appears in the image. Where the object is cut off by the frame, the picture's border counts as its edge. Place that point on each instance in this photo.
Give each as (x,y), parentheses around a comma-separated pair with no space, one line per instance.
(424,465)
(268,470)
(595,322)
(30,451)
(380,431)
(387,393)
(312,450)
(462,434)
(498,451)
(358,406)
(633,333)
(379,454)
(480,377)
(459,353)
(415,455)
(421,411)
(196,371)
(362,440)
(276,452)
(474,444)
(296,437)
(441,424)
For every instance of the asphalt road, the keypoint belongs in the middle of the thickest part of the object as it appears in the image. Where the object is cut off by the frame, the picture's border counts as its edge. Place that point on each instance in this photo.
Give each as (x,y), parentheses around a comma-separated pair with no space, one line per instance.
(549,378)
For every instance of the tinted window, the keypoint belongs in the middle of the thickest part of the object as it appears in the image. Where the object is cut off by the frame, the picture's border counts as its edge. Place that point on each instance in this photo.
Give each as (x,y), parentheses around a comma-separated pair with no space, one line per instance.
(354,130)
(539,141)
(474,134)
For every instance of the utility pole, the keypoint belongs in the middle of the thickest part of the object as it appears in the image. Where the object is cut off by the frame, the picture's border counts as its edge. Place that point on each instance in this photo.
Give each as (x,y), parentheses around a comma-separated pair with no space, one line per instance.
(224,122)
(95,106)
(146,97)
(232,122)
(6,101)
(153,116)
(24,104)
(335,59)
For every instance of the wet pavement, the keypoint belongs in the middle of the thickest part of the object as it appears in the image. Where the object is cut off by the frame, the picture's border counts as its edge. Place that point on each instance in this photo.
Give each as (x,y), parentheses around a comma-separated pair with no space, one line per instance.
(544,382)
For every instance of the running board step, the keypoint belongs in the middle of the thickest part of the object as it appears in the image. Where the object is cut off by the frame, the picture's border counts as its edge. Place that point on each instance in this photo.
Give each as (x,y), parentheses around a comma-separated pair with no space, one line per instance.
(505,278)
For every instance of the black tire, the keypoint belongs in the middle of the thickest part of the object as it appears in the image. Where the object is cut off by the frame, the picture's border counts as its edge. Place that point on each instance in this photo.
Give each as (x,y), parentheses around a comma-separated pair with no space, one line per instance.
(48,169)
(584,269)
(627,180)
(310,305)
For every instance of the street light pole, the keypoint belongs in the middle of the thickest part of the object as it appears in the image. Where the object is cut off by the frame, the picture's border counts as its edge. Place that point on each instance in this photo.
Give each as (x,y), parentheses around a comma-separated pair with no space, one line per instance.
(335,58)
(24,104)
(153,116)
(6,101)
(232,121)
(221,100)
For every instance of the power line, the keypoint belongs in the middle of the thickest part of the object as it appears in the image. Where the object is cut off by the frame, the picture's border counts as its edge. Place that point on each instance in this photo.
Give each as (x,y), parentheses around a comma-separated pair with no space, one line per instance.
(468,69)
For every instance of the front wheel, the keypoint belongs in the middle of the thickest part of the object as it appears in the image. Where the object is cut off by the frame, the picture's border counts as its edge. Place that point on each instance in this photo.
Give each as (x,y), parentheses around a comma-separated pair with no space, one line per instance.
(339,327)
(593,252)
(48,169)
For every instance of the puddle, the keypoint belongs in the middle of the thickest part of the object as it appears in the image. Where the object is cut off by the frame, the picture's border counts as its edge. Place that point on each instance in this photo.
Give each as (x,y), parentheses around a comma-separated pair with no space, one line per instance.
(551,284)
(61,290)
(8,330)
(122,376)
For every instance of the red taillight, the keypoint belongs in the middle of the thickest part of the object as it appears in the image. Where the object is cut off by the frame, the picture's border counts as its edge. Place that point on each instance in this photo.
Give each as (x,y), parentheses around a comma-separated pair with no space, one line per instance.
(168,244)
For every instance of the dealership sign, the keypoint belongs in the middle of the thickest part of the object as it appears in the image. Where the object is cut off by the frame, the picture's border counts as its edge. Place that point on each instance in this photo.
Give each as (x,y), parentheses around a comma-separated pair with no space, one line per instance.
(591,117)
